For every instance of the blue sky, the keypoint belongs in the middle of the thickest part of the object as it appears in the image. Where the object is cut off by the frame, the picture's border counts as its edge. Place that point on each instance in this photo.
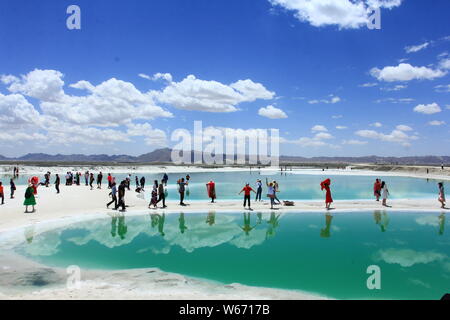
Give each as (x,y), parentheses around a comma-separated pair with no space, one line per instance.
(335,87)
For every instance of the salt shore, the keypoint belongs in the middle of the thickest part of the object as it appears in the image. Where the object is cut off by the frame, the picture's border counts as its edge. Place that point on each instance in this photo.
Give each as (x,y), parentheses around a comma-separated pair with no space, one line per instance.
(24,279)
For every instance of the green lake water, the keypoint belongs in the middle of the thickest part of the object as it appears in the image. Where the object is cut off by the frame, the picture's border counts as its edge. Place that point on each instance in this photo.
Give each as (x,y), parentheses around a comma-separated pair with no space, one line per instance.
(326,254)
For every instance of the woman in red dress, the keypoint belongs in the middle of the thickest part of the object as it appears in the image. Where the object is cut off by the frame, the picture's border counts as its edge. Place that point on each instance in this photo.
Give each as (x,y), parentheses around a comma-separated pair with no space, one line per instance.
(211,189)
(328,199)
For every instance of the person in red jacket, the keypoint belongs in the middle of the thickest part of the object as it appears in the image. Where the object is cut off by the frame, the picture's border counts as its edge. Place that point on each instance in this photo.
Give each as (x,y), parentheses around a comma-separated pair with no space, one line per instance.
(377,189)
(325,185)
(247,189)
(2,194)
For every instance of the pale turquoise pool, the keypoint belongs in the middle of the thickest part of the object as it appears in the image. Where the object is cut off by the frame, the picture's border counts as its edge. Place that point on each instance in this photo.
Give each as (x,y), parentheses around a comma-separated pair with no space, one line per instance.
(314,252)
(292,186)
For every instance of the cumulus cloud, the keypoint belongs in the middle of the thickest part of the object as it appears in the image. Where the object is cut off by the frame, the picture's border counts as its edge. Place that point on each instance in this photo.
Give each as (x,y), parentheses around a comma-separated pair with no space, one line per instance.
(211,96)
(164,76)
(445,64)
(406,72)
(396,136)
(20,137)
(61,134)
(45,85)
(110,103)
(16,112)
(376,124)
(318,140)
(354,142)
(436,123)
(152,137)
(272,113)
(431,108)
(319,128)
(65,119)
(403,127)
(323,136)
(345,14)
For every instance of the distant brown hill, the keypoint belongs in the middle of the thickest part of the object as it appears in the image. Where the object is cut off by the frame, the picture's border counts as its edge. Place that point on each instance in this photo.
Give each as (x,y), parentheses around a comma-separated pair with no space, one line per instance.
(164,156)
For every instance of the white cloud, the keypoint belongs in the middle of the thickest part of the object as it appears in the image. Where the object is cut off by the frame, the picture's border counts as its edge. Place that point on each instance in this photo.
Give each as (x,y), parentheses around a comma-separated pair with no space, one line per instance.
(403,127)
(333,99)
(316,141)
(323,136)
(157,76)
(319,128)
(436,123)
(152,137)
(145,76)
(368,85)
(395,88)
(20,137)
(376,125)
(388,4)
(395,100)
(211,96)
(345,14)
(165,76)
(341,127)
(354,142)
(445,64)
(431,108)
(406,72)
(416,48)
(45,85)
(442,88)
(396,136)
(111,103)
(63,134)
(17,112)
(272,113)
(65,119)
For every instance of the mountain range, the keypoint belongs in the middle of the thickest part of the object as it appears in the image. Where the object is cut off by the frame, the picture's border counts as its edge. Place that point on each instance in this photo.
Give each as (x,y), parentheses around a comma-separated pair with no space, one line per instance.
(164,156)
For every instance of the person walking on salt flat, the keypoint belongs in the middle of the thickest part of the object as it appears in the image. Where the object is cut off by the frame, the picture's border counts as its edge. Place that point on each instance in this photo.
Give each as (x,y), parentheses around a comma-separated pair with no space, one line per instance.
(325,185)
(441,194)
(29,198)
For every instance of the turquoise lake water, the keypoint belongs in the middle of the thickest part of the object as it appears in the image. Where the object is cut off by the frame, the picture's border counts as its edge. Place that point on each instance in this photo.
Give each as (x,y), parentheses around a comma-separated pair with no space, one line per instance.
(292,186)
(327,254)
